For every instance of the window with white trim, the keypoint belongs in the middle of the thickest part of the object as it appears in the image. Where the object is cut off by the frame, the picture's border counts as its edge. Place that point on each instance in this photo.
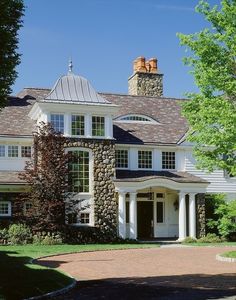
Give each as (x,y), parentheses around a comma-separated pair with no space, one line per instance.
(84,218)
(144,159)
(25,151)
(79,171)
(27,207)
(77,125)
(2,151)
(98,126)
(168,160)
(57,122)
(136,118)
(13,151)
(122,160)
(5,208)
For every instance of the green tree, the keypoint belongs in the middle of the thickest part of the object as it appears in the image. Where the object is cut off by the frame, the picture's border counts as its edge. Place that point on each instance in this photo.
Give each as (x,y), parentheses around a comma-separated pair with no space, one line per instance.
(211,112)
(11,12)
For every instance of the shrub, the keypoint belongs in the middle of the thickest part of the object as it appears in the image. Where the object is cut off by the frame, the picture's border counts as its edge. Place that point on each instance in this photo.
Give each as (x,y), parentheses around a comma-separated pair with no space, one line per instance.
(189,240)
(210,238)
(3,234)
(47,240)
(19,234)
(225,223)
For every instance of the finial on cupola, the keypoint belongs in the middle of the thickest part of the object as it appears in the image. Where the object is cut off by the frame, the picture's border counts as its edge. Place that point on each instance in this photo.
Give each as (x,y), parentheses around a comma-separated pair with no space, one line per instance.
(70,67)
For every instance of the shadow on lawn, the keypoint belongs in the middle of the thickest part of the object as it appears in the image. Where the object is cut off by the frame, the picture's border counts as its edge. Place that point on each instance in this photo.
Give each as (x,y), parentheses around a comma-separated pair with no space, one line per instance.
(176,287)
(19,280)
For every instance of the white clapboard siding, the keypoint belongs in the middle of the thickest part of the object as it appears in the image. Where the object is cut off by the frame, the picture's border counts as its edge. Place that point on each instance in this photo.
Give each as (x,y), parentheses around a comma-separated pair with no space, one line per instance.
(219,183)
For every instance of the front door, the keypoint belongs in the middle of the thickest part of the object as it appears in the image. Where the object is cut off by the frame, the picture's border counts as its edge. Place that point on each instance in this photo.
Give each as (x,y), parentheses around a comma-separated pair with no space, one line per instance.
(145,219)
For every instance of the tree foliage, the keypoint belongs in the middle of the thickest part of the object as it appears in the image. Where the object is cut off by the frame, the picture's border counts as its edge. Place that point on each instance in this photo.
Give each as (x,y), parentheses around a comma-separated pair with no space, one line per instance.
(212,111)
(47,177)
(11,12)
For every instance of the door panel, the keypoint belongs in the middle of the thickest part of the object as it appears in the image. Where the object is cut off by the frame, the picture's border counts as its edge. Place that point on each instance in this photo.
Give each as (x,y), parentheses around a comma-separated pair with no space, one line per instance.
(145,219)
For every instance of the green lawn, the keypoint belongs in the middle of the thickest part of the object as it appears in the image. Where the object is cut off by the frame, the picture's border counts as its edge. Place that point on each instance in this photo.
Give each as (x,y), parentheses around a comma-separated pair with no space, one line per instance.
(231,254)
(20,279)
(211,244)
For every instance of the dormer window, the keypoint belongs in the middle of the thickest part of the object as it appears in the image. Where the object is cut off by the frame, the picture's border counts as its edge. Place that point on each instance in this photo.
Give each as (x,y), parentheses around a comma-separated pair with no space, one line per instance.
(98,126)
(136,118)
(57,121)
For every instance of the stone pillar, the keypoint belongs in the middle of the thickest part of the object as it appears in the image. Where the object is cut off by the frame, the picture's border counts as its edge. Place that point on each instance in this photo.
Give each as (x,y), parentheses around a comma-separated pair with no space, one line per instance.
(201,215)
(182,216)
(122,215)
(133,216)
(192,215)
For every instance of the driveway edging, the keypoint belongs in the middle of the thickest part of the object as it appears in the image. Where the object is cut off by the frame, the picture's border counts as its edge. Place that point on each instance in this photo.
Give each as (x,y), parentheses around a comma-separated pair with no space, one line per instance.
(225,259)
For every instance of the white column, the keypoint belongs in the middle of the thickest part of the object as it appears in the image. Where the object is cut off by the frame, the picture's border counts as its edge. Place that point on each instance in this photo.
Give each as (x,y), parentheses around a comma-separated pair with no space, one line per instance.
(122,215)
(88,125)
(182,216)
(108,127)
(67,124)
(132,216)
(192,215)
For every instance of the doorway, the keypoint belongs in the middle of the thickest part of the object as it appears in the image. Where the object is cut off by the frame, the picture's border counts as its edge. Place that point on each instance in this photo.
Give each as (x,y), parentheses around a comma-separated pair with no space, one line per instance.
(145,219)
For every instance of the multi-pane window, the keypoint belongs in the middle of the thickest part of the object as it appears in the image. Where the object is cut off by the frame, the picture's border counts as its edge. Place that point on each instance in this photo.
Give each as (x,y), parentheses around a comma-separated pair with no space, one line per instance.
(2,150)
(77,125)
(13,151)
(5,208)
(145,159)
(160,212)
(135,118)
(25,151)
(168,160)
(79,171)
(57,121)
(27,207)
(122,159)
(98,126)
(84,218)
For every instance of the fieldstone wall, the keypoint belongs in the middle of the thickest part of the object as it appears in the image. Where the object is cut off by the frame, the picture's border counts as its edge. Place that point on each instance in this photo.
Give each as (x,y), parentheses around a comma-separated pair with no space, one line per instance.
(146,84)
(105,205)
(201,215)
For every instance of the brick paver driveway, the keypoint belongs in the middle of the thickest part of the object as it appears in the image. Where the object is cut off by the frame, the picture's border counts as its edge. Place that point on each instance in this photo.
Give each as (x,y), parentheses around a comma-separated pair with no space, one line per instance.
(157,273)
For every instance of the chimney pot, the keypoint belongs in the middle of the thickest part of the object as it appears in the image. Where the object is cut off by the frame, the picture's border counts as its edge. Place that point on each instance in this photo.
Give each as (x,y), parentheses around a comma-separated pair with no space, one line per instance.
(153,65)
(140,64)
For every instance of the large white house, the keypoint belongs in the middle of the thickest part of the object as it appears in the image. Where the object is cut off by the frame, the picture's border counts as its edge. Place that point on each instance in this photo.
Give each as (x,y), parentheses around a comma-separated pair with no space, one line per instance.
(135,169)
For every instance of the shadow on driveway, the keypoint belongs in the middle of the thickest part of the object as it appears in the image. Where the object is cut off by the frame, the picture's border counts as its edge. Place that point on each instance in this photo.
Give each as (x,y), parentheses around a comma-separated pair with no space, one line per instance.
(180,287)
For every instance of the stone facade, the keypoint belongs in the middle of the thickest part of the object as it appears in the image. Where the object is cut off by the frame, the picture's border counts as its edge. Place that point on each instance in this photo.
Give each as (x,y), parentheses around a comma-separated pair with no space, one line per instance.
(146,84)
(201,215)
(105,205)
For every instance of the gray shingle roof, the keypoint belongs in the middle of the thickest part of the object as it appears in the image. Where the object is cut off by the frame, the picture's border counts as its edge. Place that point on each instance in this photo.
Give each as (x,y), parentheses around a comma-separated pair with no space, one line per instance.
(138,176)
(10,177)
(170,127)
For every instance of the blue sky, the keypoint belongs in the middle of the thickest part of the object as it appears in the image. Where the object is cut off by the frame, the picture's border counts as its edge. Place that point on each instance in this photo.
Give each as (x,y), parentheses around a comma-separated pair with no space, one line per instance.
(103,37)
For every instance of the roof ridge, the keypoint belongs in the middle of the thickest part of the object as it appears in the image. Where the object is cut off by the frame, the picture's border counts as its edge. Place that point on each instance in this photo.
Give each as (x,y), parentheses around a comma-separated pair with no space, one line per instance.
(141,96)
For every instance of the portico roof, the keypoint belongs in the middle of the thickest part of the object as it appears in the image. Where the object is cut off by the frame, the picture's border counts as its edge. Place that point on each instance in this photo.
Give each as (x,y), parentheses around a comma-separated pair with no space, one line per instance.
(140,176)
(10,177)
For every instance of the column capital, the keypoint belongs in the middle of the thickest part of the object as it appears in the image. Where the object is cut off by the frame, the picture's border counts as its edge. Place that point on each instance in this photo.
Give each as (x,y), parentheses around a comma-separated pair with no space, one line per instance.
(133,193)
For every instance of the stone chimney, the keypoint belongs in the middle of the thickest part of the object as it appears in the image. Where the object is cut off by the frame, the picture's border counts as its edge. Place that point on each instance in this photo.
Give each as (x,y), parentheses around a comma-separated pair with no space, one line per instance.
(146,80)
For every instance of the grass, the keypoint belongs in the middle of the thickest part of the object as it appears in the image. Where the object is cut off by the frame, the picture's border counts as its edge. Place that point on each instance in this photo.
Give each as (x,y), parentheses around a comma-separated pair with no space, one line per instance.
(20,279)
(231,254)
(211,244)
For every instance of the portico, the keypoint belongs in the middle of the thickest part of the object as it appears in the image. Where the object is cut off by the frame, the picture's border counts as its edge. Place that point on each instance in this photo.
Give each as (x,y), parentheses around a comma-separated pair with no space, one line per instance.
(158,208)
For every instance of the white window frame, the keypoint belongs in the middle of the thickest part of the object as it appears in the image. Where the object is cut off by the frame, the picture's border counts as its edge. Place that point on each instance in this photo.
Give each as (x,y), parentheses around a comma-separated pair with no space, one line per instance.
(79,218)
(78,115)
(58,114)
(163,211)
(27,147)
(98,136)
(148,120)
(128,158)
(18,151)
(144,150)
(5,150)
(91,163)
(168,160)
(9,209)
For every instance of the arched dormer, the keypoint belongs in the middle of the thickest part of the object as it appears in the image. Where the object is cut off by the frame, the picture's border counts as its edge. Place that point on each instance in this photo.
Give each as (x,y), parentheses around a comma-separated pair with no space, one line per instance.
(137,118)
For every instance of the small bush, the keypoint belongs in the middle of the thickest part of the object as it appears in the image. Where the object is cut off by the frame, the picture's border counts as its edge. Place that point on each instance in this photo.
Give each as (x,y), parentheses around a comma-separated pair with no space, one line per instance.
(19,234)
(3,234)
(47,240)
(210,238)
(189,240)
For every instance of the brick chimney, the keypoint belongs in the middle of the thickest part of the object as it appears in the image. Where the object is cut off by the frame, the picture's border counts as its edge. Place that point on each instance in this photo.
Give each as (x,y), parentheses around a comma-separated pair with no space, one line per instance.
(146,80)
